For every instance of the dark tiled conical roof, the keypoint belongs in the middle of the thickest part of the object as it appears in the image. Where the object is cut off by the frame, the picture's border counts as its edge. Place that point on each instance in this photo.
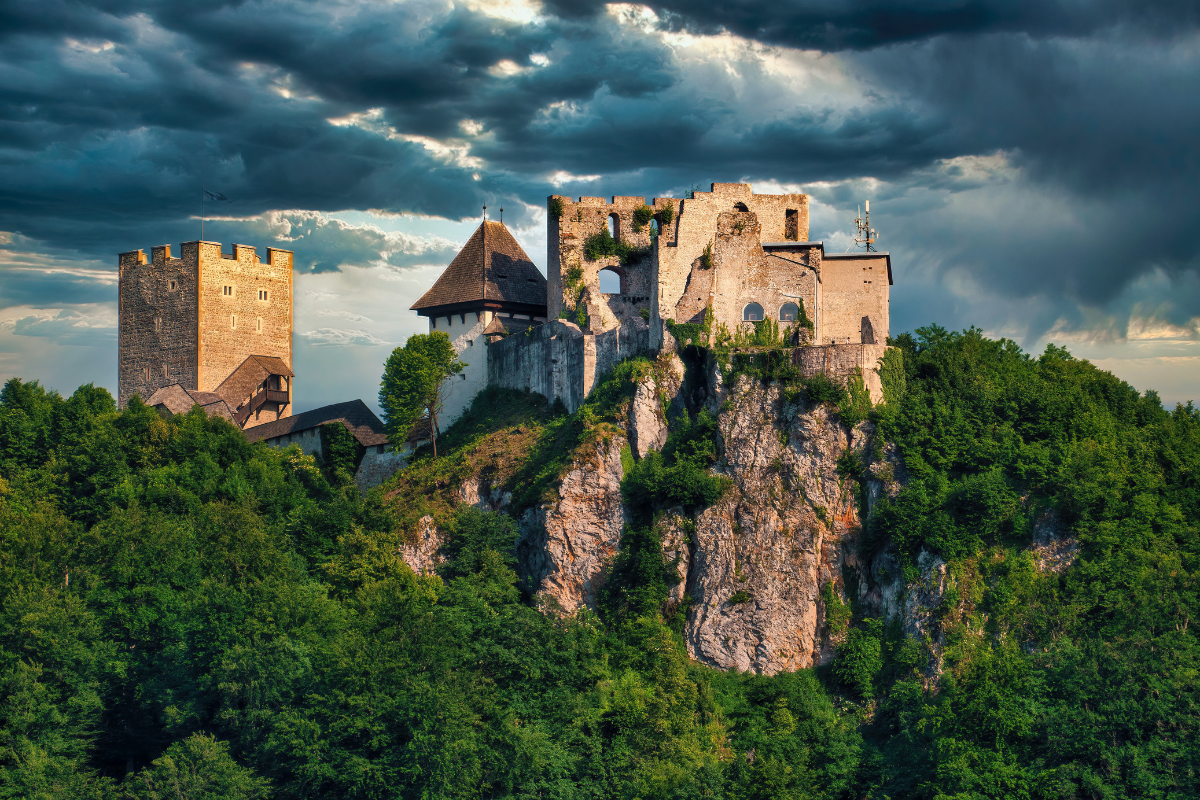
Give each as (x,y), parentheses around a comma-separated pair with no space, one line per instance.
(491,266)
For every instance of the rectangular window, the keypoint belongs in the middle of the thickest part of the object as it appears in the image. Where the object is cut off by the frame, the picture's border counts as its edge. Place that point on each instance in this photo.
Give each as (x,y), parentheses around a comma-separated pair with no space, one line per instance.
(172,285)
(258,325)
(791,225)
(227,291)
(262,295)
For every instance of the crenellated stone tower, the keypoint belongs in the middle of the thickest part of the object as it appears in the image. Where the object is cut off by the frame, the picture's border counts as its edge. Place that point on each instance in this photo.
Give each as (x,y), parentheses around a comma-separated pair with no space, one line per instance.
(207,328)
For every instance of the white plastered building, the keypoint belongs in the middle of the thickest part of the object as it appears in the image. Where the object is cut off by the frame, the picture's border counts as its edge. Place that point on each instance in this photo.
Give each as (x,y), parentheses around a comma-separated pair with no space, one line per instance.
(491,288)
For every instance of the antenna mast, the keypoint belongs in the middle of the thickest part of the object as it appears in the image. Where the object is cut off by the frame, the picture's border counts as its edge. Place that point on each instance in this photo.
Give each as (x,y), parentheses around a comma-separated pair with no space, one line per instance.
(866,234)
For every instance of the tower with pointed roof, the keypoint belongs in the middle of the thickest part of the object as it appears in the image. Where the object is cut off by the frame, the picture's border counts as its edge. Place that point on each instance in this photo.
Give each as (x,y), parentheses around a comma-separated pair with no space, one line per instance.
(491,289)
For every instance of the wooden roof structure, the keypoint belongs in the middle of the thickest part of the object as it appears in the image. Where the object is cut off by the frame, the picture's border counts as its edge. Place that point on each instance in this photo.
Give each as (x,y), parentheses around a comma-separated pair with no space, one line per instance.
(241,383)
(491,271)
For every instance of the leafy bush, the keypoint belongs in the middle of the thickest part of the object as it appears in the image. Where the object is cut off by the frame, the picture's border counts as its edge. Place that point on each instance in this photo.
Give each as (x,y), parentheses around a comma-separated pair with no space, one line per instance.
(601,244)
(739,597)
(642,216)
(667,215)
(555,207)
(680,474)
(860,658)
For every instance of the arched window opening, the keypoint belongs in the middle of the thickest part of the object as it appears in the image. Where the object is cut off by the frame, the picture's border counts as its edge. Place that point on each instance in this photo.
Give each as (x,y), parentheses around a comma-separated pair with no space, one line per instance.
(752,313)
(614,227)
(740,207)
(789,312)
(610,281)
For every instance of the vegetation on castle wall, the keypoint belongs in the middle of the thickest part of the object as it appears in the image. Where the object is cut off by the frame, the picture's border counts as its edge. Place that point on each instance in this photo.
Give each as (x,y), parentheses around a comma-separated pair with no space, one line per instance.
(642,216)
(891,374)
(667,215)
(601,244)
(555,207)
(573,308)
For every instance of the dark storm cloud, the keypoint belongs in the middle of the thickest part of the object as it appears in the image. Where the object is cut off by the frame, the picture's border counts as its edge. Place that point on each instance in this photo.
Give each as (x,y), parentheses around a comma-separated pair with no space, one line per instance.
(865,24)
(113,114)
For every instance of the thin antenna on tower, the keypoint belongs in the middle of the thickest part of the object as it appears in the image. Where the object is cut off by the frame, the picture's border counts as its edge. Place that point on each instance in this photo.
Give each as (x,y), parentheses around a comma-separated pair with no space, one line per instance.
(485,213)
(501,214)
(867,235)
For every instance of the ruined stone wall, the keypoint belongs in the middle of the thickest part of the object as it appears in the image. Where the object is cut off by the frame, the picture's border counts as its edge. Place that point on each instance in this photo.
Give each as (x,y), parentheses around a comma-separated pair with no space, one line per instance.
(238,322)
(564,249)
(841,362)
(853,286)
(697,226)
(743,273)
(157,312)
(561,362)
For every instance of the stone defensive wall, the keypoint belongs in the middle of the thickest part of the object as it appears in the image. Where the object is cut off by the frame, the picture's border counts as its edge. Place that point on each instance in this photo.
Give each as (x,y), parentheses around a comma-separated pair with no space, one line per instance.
(841,362)
(562,362)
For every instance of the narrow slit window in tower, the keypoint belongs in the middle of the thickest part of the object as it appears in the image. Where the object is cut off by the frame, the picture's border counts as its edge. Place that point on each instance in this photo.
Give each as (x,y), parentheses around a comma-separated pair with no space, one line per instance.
(791,225)
(233,322)
(614,227)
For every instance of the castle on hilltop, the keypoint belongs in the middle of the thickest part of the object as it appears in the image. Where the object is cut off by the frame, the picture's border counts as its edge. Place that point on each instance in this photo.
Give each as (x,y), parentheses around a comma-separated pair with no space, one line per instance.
(214,329)
(737,257)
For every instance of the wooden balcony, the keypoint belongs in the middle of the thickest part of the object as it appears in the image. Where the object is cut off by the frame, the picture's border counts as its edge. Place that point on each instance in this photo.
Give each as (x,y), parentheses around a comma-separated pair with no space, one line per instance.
(281,397)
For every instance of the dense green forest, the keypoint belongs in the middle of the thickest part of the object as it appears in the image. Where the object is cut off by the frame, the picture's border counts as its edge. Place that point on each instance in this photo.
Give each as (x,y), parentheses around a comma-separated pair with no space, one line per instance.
(186,615)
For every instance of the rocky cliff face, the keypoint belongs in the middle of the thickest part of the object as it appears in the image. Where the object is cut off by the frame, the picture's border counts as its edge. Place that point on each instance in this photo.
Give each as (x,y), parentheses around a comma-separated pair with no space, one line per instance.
(566,545)
(752,567)
(762,554)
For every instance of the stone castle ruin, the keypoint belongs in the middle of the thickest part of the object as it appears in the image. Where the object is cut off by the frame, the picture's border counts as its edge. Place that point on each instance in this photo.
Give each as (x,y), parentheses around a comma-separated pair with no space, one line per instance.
(730,255)
(214,329)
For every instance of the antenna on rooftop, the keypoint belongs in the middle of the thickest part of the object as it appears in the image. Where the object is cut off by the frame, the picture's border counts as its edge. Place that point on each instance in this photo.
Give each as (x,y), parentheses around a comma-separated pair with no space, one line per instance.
(867,235)
(485,213)
(501,214)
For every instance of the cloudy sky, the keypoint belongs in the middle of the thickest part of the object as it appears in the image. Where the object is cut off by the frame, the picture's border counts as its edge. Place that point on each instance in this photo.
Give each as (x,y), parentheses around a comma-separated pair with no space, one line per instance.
(1032,164)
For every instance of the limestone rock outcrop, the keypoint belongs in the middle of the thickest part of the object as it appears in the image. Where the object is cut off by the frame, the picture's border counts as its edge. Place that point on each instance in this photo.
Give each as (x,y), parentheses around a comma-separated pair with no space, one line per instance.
(423,555)
(765,550)
(566,545)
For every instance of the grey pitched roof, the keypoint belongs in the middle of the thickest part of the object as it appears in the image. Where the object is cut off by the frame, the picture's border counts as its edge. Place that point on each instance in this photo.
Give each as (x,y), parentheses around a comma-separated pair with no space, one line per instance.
(178,400)
(354,414)
(490,266)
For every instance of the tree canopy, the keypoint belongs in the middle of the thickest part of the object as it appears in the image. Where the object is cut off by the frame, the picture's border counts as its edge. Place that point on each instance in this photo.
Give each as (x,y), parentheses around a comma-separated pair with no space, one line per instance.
(184,614)
(413,384)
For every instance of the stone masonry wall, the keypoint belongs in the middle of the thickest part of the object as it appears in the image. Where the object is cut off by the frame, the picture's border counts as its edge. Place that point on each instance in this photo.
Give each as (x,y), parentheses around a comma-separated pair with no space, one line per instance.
(841,362)
(559,361)
(853,286)
(157,311)
(697,225)
(743,273)
(585,217)
(235,326)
